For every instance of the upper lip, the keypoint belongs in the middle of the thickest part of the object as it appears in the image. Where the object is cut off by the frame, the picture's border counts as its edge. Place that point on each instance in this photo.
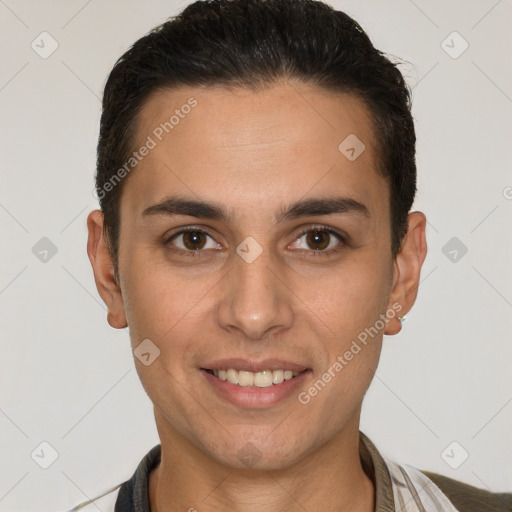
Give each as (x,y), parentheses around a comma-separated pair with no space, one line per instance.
(255,366)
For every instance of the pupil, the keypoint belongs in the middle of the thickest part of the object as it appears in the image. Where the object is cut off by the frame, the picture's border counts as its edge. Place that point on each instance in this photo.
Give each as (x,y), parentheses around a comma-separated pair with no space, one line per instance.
(192,238)
(318,238)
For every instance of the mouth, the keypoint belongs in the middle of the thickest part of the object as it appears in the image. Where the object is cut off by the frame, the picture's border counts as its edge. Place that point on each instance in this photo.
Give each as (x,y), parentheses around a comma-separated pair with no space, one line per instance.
(255,385)
(250,384)
(248,379)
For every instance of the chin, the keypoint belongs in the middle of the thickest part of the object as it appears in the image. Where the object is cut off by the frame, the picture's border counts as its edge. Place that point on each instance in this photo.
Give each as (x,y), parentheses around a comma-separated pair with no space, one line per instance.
(250,458)
(265,454)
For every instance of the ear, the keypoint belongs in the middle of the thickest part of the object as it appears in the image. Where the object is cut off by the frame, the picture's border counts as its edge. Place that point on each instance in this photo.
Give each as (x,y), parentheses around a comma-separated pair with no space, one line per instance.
(103,269)
(407,269)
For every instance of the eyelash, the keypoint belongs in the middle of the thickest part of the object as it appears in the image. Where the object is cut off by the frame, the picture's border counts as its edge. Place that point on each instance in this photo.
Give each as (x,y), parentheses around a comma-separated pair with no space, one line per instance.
(341,238)
(197,253)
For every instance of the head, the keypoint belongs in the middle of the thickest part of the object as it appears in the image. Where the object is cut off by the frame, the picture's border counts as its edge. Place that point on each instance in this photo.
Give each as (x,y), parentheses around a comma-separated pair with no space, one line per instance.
(283,141)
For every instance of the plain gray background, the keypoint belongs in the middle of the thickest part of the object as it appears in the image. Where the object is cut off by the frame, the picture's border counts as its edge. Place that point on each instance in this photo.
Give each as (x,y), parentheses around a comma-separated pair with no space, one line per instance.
(67,378)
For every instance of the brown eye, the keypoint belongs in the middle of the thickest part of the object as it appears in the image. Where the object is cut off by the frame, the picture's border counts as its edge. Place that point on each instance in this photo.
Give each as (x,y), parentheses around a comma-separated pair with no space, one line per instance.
(194,240)
(318,239)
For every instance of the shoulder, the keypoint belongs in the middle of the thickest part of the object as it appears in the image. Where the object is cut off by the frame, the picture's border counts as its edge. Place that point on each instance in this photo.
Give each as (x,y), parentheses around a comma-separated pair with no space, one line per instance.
(129,495)
(434,492)
(106,501)
(467,498)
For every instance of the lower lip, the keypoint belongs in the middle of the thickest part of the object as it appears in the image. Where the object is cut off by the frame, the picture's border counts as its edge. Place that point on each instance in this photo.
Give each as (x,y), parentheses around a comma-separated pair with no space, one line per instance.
(254,397)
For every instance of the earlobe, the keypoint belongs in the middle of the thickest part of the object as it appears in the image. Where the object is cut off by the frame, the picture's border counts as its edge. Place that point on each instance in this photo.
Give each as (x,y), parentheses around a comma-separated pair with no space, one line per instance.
(103,268)
(407,270)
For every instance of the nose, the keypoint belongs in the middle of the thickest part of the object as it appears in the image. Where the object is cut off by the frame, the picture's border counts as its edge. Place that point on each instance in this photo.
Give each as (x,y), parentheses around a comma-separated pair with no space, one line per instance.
(255,299)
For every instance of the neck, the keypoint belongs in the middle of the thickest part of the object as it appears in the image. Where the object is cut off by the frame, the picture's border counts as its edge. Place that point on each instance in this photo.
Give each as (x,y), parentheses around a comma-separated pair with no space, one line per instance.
(330,479)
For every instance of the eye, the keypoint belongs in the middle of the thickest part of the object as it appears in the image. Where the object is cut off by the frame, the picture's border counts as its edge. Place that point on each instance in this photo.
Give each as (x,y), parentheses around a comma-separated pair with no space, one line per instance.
(192,240)
(317,240)
(320,239)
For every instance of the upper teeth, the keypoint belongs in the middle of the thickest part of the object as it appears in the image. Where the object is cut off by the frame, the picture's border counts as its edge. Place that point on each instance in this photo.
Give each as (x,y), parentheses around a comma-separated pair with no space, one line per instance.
(259,379)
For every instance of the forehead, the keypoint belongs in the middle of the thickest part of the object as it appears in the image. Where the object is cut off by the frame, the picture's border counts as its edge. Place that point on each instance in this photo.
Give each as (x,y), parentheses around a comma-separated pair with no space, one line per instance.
(248,148)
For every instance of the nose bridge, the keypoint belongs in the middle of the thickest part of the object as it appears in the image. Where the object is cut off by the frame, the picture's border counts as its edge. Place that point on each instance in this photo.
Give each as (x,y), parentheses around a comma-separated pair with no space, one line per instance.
(254,299)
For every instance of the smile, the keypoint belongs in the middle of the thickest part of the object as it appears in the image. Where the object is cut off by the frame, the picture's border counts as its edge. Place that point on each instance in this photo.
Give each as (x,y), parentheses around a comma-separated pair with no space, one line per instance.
(261,379)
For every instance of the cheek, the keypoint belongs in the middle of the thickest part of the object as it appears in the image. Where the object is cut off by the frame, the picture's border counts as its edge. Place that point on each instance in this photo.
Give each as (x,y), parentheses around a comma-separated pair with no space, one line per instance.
(351,295)
(352,304)
(161,306)
(157,300)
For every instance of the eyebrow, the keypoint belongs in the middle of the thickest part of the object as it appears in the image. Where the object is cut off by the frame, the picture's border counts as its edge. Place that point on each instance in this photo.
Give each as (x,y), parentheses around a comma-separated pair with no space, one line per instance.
(175,205)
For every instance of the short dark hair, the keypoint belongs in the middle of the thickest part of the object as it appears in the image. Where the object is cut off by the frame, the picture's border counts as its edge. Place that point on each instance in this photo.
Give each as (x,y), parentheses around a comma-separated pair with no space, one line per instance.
(252,44)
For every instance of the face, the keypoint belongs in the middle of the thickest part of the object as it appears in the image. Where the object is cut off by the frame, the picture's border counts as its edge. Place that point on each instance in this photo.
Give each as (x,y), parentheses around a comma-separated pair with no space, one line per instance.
(250,242)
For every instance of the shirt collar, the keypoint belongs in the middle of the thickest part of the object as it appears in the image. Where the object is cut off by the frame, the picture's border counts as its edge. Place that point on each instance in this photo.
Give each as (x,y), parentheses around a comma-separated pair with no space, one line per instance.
(375,467)
(134,494)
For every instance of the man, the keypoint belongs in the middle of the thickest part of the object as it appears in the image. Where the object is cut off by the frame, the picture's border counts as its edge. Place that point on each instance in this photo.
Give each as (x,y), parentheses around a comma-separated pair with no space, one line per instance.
(256,171)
